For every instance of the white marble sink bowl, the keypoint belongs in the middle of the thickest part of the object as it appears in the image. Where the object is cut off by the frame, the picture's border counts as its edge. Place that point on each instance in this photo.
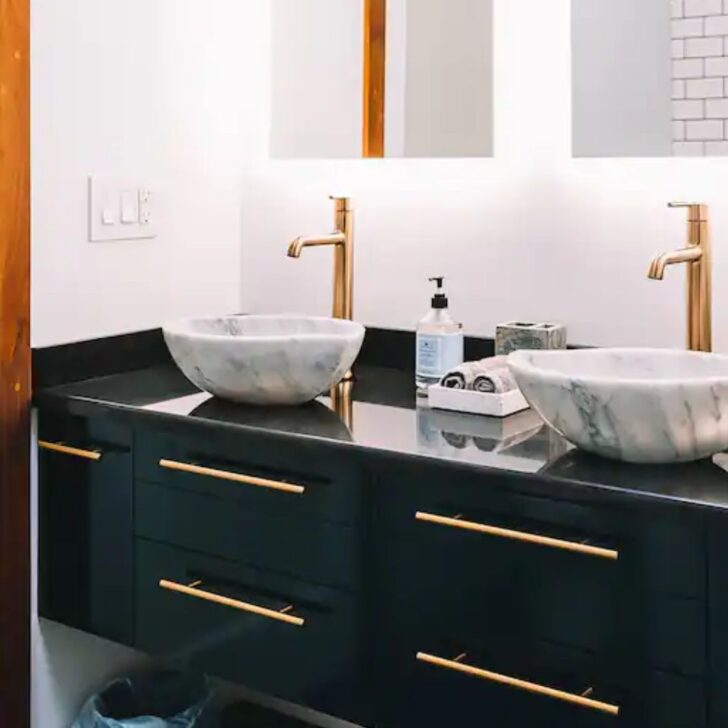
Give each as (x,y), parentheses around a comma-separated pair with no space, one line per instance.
(265,360)
(637,405)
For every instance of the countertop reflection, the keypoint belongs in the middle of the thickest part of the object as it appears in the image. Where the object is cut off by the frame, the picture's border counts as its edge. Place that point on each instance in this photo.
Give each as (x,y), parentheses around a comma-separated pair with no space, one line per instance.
(380,412)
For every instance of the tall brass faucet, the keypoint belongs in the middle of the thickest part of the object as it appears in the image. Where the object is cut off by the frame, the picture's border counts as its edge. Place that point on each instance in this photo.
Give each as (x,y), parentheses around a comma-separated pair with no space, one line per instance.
(343,241)
(697,256)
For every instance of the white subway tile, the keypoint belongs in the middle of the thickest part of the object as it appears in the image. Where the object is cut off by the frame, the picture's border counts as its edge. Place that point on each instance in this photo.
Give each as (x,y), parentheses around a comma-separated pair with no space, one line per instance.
(693,68)
(688,109)
(716,109)
(715,25)
(678,131)
(702,47)
(702,7)
(688,28)
(678,48)
(704,88)
(678,89)
(688,149)
(716,149)
(714,66)
(702,131)
(677,8)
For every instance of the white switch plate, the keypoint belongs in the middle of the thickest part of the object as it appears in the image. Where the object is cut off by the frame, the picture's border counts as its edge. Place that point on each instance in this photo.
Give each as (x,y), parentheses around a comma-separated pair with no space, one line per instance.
(119,210)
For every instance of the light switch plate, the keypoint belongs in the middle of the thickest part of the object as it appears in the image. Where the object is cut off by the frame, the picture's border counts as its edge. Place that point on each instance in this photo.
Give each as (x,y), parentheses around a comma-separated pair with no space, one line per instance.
(119,209)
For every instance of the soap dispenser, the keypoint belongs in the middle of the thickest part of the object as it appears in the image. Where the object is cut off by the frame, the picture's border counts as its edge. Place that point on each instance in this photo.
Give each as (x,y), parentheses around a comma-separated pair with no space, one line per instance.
(440,342)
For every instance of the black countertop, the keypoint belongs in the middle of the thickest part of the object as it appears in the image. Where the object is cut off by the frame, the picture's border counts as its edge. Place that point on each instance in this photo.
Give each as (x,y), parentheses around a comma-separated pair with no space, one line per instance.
(382,414)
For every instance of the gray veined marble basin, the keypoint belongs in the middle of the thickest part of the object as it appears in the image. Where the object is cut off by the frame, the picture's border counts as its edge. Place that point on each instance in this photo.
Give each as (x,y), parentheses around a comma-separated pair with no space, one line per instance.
(265,360)
(637,405)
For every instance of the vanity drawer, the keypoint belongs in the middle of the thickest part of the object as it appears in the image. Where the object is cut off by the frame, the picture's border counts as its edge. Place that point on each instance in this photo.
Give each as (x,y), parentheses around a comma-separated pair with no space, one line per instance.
(300,546)
(85,524)
(514,684)
(259,473)
(667,555)
(284,637)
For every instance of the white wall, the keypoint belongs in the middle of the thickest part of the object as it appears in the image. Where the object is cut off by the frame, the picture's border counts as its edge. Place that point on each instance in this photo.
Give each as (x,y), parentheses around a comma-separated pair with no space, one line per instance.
(161,92)
(532,233)
(622,78)
(317,78)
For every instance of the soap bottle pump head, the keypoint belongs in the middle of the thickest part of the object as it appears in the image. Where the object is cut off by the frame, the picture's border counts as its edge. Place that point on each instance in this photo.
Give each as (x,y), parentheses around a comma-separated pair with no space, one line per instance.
(439,300)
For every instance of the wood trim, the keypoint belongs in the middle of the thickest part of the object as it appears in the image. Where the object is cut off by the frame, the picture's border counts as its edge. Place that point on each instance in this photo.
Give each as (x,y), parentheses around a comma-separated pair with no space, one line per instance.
(375,64)
(14,363)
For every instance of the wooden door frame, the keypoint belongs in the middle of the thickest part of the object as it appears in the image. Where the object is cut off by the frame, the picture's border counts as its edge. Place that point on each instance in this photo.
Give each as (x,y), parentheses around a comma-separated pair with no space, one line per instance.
(15,380)
(375,71)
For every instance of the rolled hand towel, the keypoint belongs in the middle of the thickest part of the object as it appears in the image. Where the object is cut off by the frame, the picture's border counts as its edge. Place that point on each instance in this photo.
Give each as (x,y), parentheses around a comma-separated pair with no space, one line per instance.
(495,381)
(462,377)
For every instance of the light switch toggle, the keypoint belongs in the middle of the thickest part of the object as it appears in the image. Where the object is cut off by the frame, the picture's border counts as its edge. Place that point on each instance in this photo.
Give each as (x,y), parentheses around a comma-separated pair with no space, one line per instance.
(129,207)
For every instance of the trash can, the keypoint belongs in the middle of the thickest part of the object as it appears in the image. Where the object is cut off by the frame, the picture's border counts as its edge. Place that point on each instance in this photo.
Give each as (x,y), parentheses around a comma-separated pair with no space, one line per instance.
(156,700)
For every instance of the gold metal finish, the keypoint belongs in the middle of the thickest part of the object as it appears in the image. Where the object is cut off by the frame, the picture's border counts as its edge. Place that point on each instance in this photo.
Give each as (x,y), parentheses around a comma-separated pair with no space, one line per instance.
(342,402)
(698,258)
(233,477)
(580,700)
(76,452)
(192,591)
(343,241)
(536,540)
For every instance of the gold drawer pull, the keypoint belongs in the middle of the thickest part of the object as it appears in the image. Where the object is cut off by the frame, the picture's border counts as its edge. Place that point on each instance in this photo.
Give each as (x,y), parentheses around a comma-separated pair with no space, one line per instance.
(234,477)
(192,591)
(76,452)
(581,700)
(532,538)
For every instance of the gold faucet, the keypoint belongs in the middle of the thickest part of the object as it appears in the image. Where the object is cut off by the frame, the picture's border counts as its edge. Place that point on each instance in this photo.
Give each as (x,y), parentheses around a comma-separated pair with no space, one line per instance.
(343,241)
(697,256)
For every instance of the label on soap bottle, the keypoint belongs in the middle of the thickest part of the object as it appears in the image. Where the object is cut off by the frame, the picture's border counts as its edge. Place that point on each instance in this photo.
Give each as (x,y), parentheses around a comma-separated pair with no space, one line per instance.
(439,353)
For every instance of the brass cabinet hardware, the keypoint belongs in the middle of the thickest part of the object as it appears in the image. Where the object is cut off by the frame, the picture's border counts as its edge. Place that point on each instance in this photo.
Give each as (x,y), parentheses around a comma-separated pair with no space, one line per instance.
(196,593)
(581,700)
(76,452)
(532,538)
(233,477)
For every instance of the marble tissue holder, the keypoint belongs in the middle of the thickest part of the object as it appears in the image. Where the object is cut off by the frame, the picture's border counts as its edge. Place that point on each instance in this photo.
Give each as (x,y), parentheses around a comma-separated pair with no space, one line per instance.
(515,336)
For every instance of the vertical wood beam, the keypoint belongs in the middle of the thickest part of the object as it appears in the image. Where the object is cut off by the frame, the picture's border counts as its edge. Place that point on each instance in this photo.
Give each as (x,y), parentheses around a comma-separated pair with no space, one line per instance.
(375,64)
(14,364)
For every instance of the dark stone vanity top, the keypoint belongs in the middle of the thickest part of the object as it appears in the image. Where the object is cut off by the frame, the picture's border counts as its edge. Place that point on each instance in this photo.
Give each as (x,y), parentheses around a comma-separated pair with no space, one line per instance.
(384,416)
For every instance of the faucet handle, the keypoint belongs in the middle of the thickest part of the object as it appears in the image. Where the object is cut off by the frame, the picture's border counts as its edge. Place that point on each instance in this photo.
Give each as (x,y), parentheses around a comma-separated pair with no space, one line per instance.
(343,204)
(697,212)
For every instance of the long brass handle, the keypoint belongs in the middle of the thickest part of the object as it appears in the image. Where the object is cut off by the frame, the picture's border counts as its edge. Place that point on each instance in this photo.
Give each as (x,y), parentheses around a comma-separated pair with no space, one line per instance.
(59,447)
(581,700)
(233,477)
(532,538)
(195,592)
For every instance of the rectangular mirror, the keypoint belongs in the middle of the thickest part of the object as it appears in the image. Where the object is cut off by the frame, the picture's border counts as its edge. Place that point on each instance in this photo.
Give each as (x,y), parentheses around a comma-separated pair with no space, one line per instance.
(382,78)
(650,78)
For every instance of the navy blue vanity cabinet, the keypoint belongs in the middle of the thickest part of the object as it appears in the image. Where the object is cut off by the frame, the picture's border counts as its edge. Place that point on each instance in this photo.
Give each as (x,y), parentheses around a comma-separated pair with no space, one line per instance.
(718,577)
(85,512)
(485,575)
(273,506)
(290,638)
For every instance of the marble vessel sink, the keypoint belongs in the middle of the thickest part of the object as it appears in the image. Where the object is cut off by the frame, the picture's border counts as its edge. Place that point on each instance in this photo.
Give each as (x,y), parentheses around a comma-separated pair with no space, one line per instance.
(265,360)
(636,405)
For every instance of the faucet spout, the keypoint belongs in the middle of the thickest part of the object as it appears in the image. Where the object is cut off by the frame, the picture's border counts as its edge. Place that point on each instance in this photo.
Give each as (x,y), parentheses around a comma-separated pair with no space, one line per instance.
(296,247)
(686,255)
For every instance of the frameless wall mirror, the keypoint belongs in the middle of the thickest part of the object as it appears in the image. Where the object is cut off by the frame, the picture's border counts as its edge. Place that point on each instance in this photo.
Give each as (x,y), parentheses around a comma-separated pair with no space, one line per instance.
(382,78)
(650,78)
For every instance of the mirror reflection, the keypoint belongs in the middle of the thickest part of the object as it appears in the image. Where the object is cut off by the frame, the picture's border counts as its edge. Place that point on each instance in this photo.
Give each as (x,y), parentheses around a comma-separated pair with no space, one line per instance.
(382,78)
(650,78)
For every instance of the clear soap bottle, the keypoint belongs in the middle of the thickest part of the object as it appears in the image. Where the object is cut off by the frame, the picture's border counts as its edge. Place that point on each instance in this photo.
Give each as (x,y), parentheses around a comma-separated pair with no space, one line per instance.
(440,342)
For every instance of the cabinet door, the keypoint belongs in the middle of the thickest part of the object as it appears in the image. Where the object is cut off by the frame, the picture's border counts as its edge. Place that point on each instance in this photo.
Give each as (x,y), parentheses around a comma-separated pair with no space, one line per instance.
(85,504)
